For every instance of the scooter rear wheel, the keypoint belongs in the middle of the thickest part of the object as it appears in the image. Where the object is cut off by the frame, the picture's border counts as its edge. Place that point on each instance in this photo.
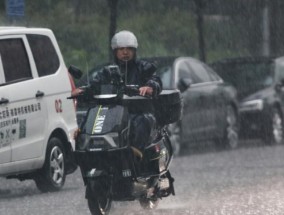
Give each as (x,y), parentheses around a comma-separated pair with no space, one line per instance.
(99,203)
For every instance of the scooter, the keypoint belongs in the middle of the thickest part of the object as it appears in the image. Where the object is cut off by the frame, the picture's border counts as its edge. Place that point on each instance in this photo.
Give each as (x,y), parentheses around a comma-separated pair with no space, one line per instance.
(111,168)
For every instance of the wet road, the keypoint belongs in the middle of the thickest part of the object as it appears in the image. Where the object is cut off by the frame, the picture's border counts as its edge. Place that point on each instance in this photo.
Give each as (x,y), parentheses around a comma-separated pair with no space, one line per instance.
(246,181)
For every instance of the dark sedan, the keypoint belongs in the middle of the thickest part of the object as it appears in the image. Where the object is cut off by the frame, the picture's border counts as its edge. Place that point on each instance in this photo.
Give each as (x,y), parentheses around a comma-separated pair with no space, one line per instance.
(210,109)
(210,106)
(260,85)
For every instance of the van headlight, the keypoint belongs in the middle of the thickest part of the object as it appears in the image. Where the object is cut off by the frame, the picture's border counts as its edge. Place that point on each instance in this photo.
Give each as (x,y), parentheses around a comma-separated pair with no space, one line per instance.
(254,105)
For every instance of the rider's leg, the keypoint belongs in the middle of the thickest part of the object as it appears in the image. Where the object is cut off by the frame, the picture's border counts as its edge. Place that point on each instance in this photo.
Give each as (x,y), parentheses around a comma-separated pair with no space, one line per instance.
(142,127)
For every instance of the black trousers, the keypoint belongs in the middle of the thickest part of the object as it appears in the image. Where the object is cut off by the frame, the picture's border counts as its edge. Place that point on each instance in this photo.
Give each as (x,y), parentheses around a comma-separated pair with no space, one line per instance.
(142,130)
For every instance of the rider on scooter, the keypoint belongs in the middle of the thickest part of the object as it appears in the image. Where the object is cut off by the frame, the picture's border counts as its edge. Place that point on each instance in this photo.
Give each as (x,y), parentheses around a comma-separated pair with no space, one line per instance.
(134,72)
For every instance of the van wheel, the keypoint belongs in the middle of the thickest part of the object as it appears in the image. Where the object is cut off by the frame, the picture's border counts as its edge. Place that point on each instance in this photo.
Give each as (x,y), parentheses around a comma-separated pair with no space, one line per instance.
(274,131)
(230,137)
(52,175)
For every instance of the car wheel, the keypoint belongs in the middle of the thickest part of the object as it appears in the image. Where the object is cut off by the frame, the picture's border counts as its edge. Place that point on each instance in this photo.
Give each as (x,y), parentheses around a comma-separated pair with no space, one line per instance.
(230,138)
(174,131)
(274,132)
(52,175)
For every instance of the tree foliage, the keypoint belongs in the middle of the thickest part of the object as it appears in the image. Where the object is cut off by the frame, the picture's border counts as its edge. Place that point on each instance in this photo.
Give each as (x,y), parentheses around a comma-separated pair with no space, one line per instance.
(163,28)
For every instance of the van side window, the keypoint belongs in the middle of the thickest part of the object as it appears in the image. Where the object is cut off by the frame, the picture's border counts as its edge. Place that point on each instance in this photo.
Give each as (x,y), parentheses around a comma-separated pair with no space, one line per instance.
(15,60)
(44,53)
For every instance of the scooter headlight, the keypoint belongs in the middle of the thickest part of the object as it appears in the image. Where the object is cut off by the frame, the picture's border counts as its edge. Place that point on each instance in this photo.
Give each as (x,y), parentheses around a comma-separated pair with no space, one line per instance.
(91,143)
(98,144)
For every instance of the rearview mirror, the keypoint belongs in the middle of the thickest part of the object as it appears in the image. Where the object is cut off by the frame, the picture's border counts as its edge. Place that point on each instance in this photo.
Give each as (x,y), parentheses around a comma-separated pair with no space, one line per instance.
(184,84)
(278,86)
(75,72)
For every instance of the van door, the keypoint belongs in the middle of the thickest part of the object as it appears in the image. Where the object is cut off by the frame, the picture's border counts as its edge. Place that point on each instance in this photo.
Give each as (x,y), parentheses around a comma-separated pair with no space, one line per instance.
(5,122)
(25,98)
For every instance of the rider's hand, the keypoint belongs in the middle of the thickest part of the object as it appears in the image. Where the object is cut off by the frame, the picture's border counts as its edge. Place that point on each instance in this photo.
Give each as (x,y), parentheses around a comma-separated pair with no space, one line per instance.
(76,92)
(145,91)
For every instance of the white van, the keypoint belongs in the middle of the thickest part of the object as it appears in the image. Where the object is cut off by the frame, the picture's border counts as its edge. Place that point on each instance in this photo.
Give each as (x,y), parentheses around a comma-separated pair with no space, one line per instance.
(37,121)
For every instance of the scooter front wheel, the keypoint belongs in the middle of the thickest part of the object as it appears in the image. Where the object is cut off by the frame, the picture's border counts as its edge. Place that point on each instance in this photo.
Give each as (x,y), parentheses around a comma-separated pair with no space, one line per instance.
(149,204)
(99,203)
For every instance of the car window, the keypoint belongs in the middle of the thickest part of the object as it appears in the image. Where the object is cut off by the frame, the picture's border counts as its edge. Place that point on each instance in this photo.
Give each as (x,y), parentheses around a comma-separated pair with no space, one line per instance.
(165,74)
(278,67)
(183,71)
(199,72)
(44,53)
(15,60)
(247,76)
(213,75)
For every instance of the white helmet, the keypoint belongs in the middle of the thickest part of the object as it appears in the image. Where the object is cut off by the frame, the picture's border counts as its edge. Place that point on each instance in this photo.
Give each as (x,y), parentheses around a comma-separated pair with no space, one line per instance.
(124,39)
